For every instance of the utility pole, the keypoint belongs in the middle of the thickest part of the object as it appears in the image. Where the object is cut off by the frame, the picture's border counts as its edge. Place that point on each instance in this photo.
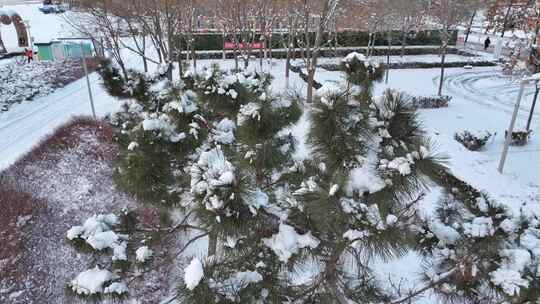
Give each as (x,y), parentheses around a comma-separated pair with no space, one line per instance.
(87,80)
(536,91)
(512,125)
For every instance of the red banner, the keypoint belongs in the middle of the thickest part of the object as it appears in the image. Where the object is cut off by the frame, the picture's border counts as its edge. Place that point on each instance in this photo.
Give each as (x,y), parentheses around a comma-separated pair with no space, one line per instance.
(241,46)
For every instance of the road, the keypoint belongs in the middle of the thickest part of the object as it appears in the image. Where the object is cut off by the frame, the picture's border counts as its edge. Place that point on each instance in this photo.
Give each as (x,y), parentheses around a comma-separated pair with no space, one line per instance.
(26,124)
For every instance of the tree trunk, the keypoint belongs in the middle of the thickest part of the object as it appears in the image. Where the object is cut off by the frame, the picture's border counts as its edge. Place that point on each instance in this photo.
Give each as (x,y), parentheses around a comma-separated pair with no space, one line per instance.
(532,107)
(246,60)
(224,52)
(270,48)
(443,58)
(389,38)
(180,69)
(470,27)
(145,63)
(311,80)
(123,68)
(403,43)
(235,54)
(288,63)
(262,55)
(505,22)
(194,55)
(212,245)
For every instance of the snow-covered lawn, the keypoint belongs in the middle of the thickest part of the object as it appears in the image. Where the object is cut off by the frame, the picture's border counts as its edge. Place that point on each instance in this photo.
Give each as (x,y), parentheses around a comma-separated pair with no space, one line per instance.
(482,100)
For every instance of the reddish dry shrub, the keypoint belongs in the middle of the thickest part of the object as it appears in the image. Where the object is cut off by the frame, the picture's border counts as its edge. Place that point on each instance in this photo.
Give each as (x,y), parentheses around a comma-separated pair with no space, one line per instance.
(18,209)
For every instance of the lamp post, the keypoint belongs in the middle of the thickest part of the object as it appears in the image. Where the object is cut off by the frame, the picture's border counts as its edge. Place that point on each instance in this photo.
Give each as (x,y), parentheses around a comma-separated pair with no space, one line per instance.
(91,97)
(508,139)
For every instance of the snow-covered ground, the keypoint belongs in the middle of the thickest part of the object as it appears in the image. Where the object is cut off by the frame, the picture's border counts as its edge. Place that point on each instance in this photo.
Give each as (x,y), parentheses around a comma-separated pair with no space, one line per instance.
(43,27)
(26,124)
(482,100)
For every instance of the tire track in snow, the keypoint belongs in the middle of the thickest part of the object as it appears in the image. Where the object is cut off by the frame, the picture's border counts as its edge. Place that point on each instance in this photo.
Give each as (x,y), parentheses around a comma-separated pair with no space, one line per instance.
(488,88)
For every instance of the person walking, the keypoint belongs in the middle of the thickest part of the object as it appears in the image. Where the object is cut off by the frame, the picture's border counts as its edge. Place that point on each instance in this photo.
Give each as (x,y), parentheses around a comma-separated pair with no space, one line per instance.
(29,54)
(487,43)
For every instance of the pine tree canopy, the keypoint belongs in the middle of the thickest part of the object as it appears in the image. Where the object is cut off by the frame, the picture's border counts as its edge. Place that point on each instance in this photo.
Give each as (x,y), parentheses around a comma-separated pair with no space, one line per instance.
(290,218)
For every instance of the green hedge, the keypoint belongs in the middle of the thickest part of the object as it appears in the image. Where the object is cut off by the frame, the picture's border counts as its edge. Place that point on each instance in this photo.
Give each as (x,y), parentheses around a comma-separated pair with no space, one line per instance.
(214,42)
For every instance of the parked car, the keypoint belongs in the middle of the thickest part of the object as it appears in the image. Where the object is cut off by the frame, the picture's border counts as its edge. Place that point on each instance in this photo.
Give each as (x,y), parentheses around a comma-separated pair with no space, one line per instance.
(52,8)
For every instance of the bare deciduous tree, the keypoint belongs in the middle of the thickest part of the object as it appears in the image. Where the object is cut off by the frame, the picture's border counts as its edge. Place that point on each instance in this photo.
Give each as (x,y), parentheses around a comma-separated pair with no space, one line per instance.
(447,15)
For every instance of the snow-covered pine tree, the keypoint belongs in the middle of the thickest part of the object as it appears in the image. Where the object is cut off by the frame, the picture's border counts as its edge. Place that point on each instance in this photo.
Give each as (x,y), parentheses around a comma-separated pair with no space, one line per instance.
(313,227)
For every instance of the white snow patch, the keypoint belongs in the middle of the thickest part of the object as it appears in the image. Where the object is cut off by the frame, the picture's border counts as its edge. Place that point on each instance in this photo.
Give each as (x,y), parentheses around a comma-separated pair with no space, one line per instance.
(193,274)
(288,242)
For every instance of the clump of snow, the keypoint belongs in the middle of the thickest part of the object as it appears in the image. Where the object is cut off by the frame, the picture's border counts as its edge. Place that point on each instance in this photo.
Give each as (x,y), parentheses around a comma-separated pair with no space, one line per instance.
(365,179)
(96,231)
(353,235)
(248,111)
(92,281)
(288,242)
(399,164)
(163,124)
(143,254)
(119,251)
(93,225)
(509,280)
(223,132)
(237,282)
(255,200)
(446,234)
(333,190)
(132,146)
(354,55)
(193,274)
(118,288)
(211,172)
(187,103)
(479,228)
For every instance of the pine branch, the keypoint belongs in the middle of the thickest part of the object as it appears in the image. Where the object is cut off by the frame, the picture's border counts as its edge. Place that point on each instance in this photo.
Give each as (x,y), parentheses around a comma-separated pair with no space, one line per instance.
(444,277)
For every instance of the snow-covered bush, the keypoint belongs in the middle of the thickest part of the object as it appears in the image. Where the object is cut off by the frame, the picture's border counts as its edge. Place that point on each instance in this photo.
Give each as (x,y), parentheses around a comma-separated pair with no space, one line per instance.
(360,69)
(108,247)
(98,281)
(431,102)
(519,138)
(473,141)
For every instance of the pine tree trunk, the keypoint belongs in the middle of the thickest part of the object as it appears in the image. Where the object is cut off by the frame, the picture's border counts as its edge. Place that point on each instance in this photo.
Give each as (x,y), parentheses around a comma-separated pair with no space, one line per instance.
(212,245)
